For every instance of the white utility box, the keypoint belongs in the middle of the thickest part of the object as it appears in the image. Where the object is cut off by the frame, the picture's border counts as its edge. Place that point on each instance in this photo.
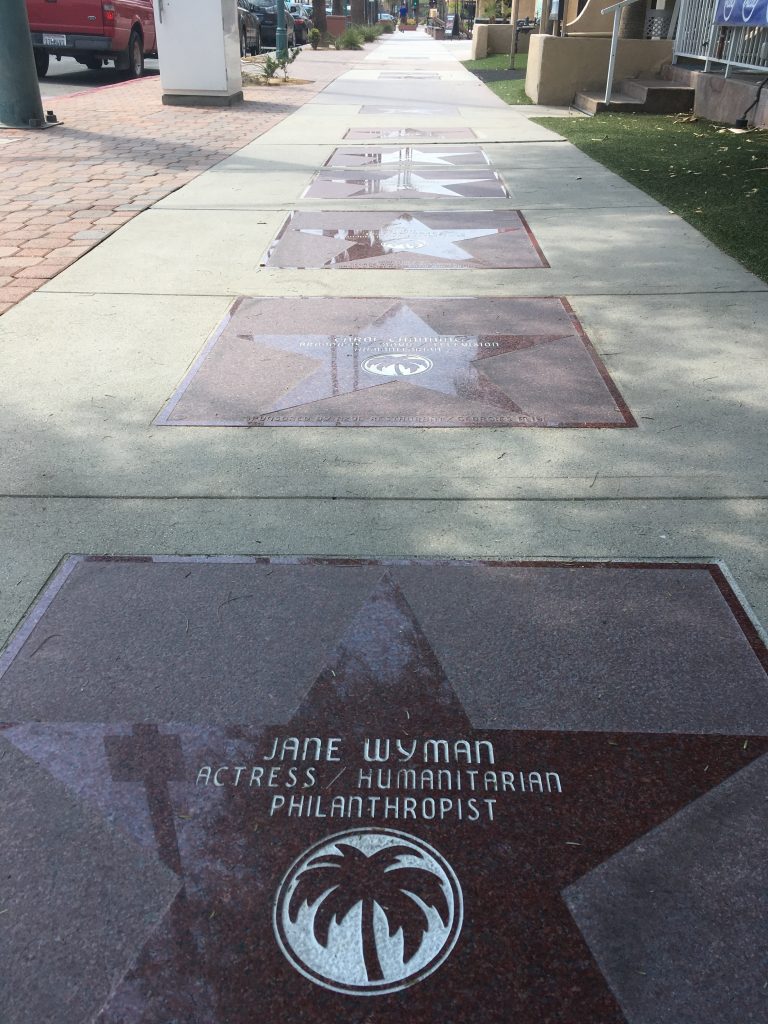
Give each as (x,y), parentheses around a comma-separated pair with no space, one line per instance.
(198,43)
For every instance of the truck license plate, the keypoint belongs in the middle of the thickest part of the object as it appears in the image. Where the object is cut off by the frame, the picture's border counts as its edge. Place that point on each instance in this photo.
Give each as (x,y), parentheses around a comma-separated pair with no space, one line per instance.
(54,40)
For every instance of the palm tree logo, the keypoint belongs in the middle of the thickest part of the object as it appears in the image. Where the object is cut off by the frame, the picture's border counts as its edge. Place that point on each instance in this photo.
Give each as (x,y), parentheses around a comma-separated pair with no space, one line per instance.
(397,364)
(369,911)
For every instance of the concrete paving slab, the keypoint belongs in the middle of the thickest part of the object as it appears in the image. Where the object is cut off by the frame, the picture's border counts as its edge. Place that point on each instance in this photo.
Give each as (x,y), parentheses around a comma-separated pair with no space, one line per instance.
(694,388)
(400,91)
(35,533)
(645,251)
(333,129)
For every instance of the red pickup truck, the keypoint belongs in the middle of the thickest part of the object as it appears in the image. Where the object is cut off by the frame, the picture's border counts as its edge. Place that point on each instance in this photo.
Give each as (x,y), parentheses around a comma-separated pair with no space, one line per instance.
(93,32)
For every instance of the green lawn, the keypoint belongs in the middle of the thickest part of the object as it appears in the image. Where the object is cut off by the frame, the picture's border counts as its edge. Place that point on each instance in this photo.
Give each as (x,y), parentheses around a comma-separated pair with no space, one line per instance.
(714,179)
(496,62)
(512,91)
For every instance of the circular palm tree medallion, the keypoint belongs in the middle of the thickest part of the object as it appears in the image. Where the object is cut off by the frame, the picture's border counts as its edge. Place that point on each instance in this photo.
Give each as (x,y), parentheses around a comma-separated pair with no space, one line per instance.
(368,911)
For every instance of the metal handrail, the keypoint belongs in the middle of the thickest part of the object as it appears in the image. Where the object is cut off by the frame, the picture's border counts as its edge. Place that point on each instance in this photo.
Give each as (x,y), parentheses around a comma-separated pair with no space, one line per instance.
(616,8)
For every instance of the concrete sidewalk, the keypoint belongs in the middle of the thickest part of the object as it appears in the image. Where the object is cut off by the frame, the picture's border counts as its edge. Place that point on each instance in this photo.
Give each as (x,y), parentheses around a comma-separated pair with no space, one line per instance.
(403,323)
(91,358)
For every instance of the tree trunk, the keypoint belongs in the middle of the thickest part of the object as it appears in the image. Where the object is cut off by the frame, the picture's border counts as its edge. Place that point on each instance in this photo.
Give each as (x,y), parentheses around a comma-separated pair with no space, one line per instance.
(632,21)
(513,17)
(370,953)
(318,16)
(338,6)
(357,12)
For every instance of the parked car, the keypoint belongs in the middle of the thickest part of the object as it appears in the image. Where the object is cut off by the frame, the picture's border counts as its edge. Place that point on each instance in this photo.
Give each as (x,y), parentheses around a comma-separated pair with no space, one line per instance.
(249,24)
(267,12)
(386,17)
(93,32)
(302,20)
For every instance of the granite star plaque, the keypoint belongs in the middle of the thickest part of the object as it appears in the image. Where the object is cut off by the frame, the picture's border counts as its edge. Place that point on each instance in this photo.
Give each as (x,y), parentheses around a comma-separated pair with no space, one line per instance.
(451,240)
(441,825)
(378,362)
(403,156)
(417,134)
(406,181)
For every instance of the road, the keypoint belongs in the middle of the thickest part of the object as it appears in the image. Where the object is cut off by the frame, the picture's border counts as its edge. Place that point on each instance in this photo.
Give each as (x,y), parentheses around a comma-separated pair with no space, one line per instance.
(68,76)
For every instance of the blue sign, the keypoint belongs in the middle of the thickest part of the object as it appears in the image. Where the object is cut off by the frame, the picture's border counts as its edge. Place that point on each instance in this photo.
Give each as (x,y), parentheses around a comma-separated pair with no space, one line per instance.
(742,12)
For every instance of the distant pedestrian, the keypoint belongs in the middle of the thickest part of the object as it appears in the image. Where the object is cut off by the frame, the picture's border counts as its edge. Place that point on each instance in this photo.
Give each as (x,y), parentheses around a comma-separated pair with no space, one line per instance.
(403,16)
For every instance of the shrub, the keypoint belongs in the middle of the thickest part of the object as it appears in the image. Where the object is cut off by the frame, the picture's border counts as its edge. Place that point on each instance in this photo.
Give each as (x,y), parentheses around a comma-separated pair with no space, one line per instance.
(352,39)
(387,27)
(270,67)
(314,38)
(289,58)
(370,33)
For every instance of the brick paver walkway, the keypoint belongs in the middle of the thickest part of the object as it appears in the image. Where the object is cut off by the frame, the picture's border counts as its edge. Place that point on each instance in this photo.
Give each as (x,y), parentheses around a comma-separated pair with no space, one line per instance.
(118,151)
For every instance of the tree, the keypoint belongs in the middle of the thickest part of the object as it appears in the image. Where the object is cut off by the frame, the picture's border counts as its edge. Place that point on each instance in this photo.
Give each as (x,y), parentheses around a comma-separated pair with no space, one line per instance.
(357,12)
(340,882)
(337,6)
(318,16)
(632,21)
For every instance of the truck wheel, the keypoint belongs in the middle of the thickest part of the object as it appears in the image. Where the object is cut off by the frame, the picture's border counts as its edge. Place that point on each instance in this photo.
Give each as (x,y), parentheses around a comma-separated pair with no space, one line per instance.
(135,55)
(243,44)
(42,59)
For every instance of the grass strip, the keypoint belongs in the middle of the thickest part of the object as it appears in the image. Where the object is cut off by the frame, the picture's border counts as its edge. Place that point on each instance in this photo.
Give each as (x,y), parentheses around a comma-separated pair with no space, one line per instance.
(711,177)
(511,91)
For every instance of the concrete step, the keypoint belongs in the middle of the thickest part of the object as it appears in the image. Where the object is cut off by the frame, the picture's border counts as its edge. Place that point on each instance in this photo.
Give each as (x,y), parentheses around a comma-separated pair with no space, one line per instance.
(594,103)
(659,96)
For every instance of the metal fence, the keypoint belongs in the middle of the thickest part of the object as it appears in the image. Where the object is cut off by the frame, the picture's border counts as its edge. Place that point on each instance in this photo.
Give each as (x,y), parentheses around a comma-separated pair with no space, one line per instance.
(739,48)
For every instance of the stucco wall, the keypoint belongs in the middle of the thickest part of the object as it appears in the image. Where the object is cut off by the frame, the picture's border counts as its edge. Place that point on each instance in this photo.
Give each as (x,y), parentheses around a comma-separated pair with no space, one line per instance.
(559,67)
(488,39)
(591,21)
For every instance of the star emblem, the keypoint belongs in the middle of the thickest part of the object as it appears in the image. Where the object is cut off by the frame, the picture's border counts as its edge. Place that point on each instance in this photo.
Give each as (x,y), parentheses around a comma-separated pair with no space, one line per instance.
(358,184)
(518,816)
(405,233)
(397,346)
(448,158)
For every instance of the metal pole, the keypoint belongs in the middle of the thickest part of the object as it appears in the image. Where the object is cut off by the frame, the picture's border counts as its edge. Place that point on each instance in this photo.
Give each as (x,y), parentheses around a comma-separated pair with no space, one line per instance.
(711,39)
(281,34)
(20,102)
(612,57)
